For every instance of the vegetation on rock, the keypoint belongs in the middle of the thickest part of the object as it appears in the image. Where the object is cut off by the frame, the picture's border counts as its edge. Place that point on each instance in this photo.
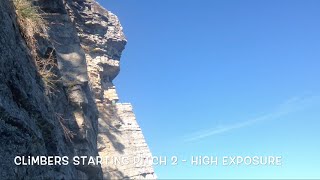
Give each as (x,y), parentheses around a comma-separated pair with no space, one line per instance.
(31,24)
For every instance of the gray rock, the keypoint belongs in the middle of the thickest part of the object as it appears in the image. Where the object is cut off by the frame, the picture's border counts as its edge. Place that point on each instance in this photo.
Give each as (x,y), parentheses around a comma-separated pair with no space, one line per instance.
(80,116)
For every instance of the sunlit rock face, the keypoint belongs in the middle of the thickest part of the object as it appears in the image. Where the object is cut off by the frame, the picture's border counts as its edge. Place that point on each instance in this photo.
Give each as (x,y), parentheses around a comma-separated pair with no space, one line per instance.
(119,135)
(87,42)
(120,138)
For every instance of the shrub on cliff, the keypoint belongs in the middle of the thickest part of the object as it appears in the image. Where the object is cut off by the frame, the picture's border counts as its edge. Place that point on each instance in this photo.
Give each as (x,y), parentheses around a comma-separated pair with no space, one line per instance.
(29,18)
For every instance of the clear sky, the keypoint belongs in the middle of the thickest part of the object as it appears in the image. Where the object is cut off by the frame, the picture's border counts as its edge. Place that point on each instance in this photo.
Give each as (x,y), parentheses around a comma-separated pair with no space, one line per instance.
(224,78)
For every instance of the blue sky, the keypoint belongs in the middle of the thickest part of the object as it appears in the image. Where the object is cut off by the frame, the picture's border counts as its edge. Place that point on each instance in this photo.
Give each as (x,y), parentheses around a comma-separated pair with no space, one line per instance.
(209,77)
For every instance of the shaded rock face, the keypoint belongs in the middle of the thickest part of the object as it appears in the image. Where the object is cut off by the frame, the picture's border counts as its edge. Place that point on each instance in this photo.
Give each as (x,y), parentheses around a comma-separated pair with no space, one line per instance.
(28,126)
(81,116)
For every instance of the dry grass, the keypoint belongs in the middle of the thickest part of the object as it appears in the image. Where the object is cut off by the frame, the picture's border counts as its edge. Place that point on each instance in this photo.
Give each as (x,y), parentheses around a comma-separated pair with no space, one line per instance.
(45,69)
(31,23)
(67,133)
(25,10)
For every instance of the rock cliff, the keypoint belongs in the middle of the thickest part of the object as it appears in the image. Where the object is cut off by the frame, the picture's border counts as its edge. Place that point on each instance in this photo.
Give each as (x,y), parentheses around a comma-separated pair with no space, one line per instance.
(79,115)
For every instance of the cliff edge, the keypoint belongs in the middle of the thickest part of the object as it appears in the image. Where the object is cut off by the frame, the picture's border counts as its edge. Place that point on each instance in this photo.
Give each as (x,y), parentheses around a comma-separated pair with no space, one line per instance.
(57,97)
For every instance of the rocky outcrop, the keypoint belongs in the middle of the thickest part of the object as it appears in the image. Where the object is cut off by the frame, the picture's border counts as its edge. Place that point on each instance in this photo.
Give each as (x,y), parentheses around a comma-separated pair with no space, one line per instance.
(121,137)
(81,117)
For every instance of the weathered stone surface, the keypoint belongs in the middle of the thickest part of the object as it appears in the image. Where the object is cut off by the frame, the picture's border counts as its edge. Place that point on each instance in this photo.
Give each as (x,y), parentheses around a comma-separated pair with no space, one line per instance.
(119,134)
(121,127)
(87,42)
(28,126)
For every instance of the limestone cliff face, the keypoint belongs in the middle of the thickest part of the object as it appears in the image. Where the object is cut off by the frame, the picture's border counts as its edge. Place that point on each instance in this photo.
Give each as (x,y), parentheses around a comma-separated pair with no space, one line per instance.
(81,117)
